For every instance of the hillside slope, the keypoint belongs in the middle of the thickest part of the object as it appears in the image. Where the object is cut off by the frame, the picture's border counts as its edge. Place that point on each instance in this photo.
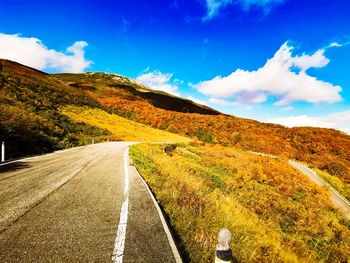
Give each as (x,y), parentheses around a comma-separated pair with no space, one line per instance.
(326,149)
(274,212)
(30,118)
(35,116)
(102,83)
(120,128)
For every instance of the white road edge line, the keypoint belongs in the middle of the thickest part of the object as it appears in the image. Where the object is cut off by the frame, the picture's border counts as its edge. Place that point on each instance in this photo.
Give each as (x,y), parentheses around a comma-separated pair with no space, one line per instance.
(164,223)
(118,251)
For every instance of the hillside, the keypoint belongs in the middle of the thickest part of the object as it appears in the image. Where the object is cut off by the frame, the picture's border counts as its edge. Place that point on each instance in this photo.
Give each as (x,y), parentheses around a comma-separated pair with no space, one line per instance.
(110,84)
(326,149)
(31,118)
(274,212)
(120,128)
(34,117)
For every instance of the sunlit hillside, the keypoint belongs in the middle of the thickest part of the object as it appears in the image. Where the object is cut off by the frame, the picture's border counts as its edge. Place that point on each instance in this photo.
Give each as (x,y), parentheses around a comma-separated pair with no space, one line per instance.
(275,213)
(326,149)
(29,119)
(120,128)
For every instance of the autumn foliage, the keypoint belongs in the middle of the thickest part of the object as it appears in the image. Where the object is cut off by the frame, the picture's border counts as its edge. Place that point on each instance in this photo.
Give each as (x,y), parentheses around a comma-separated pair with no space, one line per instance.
(275,213)
(326,149)
(30,122)
(30,115)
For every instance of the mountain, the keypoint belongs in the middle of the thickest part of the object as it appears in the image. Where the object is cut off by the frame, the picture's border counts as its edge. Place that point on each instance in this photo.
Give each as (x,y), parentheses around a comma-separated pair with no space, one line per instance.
(34,118)
(112,84)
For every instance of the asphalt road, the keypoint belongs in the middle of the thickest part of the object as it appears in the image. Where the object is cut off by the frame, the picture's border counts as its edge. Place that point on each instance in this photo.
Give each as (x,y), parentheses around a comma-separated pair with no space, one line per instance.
(65,207)
(338,200)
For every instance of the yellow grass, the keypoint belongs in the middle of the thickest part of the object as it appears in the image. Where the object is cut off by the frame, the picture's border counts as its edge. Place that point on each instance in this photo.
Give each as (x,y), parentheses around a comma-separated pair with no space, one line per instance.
(120,128)
(274,213)
(336,182)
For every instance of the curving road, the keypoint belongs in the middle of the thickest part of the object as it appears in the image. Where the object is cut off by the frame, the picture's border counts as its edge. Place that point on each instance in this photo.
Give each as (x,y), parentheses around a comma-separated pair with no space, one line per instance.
(338,200)
(69,206)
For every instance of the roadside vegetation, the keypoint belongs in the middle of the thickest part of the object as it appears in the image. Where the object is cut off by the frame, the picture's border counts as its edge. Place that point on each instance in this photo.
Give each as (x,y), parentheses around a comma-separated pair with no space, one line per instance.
(120,128)
(336,182)
(274,213)
(29,119)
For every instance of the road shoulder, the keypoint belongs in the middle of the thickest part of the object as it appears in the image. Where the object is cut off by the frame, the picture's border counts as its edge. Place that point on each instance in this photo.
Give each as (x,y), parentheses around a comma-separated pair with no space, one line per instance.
(148,242)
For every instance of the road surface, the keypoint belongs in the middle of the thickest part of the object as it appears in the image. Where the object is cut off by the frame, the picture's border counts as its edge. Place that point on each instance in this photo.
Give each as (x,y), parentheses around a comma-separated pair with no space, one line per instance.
(338,200)
(66,207)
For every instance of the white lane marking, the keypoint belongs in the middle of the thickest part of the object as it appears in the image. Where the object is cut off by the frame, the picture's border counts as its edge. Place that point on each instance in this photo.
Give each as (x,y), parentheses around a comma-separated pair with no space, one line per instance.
(118,251)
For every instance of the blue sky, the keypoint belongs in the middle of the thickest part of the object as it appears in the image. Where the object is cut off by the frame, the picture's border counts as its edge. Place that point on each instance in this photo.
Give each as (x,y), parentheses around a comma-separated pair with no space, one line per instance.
(212,51)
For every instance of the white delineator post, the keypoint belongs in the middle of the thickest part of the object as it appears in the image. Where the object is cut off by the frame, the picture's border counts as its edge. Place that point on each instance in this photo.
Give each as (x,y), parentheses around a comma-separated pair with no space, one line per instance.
(3,152)
(223,253)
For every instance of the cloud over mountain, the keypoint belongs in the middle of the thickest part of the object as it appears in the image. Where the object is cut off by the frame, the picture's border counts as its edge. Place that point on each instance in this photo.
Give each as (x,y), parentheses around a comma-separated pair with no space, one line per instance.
(32,52)
(338,120)
(283,77)
(159,81)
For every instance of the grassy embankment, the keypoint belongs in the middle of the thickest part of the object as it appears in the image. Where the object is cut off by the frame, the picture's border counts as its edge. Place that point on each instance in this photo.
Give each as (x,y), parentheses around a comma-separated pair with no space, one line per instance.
(336,182)
(275,213)
(120,128)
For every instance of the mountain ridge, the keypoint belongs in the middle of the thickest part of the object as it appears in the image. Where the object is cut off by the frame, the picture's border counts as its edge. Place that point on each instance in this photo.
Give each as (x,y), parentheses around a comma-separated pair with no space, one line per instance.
(159,99)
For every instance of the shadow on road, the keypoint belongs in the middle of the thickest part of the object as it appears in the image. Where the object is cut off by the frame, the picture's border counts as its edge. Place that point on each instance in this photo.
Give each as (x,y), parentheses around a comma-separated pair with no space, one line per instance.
(13,167)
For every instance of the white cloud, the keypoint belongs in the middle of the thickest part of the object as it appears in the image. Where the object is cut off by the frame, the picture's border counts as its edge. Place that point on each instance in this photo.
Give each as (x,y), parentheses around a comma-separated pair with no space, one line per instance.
(213,6)
(337,44)
(304,62)
(160,81)
(339,121)
(32,52)
(197,100)
(227,103)
(278,78)
(222,102)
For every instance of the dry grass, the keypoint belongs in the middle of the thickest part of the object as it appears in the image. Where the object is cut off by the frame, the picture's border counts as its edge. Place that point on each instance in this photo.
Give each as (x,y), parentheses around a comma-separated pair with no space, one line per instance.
(336,182)
(275,214)
(120,128)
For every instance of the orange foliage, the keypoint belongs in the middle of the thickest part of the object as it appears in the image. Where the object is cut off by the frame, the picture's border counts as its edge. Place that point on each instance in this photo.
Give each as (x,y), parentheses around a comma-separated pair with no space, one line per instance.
(313,145)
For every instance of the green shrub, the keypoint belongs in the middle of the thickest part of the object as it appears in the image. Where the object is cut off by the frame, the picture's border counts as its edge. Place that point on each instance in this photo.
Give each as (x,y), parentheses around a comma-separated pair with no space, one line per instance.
(204,135)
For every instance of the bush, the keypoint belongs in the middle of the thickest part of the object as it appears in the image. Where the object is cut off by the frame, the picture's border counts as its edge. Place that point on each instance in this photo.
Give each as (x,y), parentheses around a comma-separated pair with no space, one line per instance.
(204,135)
(335,169)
